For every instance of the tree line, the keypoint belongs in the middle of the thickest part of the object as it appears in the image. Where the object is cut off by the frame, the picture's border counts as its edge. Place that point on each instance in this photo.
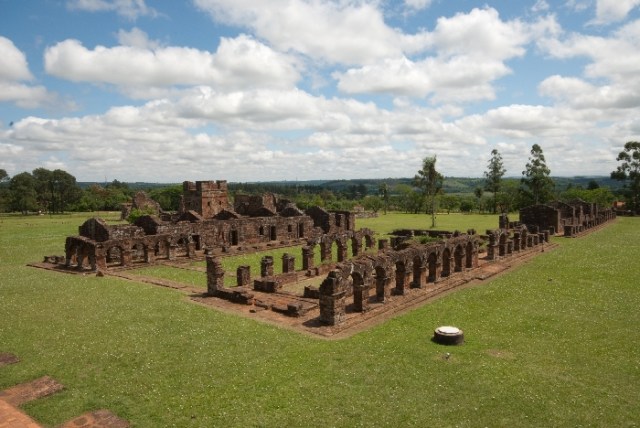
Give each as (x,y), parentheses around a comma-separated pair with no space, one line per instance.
(57,191)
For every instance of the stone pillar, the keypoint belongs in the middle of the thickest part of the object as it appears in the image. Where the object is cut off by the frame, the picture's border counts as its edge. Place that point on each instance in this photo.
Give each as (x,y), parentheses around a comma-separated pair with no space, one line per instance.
(288,263)
(243,276)
(421,279)
(266,266)
(307,258)
(215,275)
(492,247)
(510,247)
(332,300)
(361,298)
(126,257)
(402,279)
(516,241)
(325,251)
(356,247)
(342,252)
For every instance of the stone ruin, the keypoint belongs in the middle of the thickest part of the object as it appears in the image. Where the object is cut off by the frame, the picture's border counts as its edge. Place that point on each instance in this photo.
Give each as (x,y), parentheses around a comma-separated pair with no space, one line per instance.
(402,264)
(208,227)
(569,219)
(206,221)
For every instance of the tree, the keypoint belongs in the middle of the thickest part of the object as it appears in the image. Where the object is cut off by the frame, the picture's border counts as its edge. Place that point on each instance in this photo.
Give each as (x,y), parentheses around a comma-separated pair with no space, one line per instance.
(478,192)
(629,171)
(383,192)
(450,202)
(493,176)
(536,177)
(22,188)
(4,190)
(429,180)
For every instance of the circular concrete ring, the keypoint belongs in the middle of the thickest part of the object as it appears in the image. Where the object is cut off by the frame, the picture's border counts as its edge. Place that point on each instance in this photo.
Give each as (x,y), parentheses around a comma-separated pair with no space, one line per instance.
(448,335)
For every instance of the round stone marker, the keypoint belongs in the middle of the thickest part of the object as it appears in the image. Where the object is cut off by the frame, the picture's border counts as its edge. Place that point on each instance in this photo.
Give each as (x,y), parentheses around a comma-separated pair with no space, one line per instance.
(448,335)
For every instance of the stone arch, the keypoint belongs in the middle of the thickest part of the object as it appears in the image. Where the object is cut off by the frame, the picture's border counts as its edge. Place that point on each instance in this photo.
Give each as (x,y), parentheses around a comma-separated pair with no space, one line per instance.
(115,256)
(419,272)
(432,266)
(138,253)
(342,249)
(458,257)
(382,283)
(182,247)
(356,244)
(470,250)
(161,249)
(446,262)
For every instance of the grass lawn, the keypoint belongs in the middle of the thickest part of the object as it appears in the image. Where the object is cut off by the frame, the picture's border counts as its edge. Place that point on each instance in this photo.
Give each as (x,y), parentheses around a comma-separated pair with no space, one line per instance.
(553,343)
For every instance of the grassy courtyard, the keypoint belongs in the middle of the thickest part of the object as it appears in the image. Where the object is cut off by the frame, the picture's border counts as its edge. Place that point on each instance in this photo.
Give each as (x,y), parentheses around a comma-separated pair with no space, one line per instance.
(553,343)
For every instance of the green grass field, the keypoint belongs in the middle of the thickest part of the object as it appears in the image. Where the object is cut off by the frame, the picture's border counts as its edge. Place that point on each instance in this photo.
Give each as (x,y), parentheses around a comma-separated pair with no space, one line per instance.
(553,343)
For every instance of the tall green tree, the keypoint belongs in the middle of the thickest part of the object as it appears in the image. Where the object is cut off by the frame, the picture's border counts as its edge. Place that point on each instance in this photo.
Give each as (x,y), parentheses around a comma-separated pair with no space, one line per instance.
(383,192)
(22,190)
(629,172)
(536,177)
(4,190)
(493,177)
(429,180)
(55,189)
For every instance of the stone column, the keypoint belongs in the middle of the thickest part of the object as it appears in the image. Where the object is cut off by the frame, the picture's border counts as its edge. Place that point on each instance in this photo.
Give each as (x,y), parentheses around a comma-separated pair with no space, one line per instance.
(332,301)
(243,276)
(307,258)
(325,251)
(266,266)
(420,281)
(361,298)
(342,252)
(215,275)
(383,244)
(288,263)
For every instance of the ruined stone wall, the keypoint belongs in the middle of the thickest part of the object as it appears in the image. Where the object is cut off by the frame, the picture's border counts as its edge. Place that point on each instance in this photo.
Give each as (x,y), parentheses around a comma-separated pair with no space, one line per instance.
(542,216)
(255,205)
(207,198)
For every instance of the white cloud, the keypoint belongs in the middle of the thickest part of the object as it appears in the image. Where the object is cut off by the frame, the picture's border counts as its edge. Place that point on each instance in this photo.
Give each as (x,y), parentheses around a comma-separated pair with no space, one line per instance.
(238,62)
(612,77)
(136,38)
(13,71)
(470,54)
(608,11)
(348,32)
(540,6)
(13,63)
(418,4)
(130,9)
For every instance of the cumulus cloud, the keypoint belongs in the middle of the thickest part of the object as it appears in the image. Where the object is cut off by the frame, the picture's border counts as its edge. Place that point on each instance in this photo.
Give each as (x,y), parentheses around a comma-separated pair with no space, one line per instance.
(471,51)
(238,62)
(14,71)
(136,38)
(609,11)
(130,9)
(417,4)
(612,77)
(347,32)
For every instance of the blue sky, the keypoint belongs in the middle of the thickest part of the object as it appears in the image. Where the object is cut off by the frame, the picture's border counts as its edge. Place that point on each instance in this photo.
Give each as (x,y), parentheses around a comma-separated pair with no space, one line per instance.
(166,91)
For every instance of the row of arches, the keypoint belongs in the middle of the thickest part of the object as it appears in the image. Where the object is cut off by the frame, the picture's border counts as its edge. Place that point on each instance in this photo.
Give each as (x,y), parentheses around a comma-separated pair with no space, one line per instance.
(86,254)
(369,279)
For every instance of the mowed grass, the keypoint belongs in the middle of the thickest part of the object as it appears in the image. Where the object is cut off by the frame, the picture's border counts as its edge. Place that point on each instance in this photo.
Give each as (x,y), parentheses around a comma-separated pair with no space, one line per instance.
(553,343)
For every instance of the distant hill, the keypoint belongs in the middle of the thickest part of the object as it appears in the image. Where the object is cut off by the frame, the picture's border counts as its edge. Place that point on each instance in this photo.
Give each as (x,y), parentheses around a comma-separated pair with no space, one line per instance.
(370,186)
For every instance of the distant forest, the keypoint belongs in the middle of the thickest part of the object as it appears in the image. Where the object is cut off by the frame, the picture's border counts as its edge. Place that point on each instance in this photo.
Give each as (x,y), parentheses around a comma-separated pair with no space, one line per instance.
(46,191)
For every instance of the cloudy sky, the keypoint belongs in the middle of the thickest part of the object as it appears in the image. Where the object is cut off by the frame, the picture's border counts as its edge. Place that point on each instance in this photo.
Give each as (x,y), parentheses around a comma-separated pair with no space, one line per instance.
(251,90)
